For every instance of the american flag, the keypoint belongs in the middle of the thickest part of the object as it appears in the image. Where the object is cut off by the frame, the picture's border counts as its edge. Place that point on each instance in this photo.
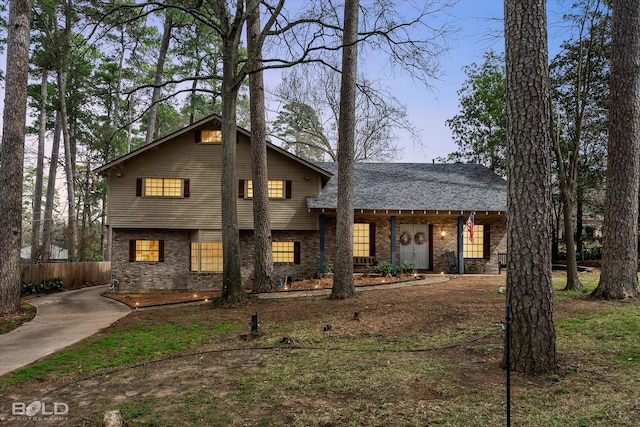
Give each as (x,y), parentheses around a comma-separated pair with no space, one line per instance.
(470,224)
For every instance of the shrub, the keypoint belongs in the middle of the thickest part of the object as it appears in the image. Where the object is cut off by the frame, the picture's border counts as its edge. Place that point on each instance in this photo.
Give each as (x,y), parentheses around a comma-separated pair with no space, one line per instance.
(384,268)
(591,253)
(587,253)
(44,287)
(328,268)
(408,267)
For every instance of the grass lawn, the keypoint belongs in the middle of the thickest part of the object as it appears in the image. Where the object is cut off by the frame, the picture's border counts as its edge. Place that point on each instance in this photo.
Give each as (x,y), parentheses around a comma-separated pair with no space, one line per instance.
(418,356)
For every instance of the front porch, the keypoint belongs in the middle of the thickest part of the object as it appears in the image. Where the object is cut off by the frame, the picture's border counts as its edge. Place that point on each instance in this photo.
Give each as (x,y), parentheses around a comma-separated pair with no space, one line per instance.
(420,239)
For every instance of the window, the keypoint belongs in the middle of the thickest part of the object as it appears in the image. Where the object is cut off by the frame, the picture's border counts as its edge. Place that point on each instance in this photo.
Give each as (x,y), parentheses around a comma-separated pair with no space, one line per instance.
(278,189)
(210,136)
(146,250)
(475,249)
(286,252)
(361,239)
(282,251)
(162,187)
(206,256)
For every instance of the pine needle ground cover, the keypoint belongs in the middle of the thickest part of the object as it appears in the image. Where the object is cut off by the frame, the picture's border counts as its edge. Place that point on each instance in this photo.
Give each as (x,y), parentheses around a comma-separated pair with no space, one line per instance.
(426,355)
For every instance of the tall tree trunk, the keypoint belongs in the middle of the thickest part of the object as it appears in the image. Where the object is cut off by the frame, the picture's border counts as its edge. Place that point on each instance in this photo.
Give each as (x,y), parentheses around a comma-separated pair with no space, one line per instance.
(157,81)
(85,223)
(619,275)
(555,242)
(51,188)
(343,286)
(37,202)
(529,287)
(568,169)
(573,282)
(232,289)
(72,221)
(263,257)
(12,154)
(567,185)
(64,63)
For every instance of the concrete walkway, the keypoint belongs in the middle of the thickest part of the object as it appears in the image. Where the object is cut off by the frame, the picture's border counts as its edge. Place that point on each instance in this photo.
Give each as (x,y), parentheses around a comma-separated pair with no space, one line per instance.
(62,319)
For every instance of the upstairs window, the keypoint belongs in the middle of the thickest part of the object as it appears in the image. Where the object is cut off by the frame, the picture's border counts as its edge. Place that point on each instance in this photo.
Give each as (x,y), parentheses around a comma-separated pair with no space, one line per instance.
(162,187)
(278,189)
(207,136)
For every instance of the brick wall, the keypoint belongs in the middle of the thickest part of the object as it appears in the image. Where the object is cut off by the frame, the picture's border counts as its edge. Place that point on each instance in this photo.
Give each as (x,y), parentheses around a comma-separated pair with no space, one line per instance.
(309,255)
(174,273)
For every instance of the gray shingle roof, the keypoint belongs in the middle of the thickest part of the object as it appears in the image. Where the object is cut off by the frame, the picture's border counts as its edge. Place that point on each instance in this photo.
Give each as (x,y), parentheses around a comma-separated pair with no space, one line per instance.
(418,186)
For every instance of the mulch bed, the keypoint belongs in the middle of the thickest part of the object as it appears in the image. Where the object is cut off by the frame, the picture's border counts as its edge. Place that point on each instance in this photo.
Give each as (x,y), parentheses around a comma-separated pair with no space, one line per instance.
(141,300)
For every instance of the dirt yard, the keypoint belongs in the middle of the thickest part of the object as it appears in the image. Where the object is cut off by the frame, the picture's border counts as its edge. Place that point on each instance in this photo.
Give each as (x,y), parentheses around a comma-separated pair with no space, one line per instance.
(448,308)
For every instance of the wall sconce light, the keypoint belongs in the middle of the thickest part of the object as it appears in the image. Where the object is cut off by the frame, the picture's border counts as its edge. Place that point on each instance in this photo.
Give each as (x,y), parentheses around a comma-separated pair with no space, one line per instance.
(443,234)
(307,177)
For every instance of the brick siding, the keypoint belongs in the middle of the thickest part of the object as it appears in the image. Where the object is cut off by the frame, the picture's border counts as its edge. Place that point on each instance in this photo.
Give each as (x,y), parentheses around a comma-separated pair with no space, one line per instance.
(174,273)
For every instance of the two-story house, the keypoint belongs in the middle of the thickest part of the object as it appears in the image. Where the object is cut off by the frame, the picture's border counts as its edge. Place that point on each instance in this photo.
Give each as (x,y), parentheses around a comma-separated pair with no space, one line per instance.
(164,213)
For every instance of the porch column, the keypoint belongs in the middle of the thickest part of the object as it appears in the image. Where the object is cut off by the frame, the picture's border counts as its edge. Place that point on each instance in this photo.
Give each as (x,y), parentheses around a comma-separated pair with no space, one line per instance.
(322,231)
(460,245)
(393,241)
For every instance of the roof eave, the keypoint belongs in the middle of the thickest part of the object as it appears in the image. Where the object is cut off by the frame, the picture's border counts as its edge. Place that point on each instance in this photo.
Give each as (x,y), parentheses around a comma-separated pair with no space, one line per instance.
(413,211)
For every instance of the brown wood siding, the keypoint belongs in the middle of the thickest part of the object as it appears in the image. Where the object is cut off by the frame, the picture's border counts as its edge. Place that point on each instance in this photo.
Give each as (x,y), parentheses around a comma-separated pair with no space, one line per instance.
(201,165)
(286,214)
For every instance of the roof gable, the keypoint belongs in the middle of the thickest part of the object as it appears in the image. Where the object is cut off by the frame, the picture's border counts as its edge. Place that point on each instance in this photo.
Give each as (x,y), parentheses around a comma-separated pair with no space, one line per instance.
(192,127)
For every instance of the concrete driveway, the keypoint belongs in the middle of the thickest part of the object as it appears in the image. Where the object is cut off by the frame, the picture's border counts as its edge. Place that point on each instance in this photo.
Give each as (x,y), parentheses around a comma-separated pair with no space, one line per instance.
(62,319)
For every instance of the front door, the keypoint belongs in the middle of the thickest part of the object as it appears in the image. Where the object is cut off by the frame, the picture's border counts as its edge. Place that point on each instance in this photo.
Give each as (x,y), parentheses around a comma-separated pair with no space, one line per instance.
(414,244)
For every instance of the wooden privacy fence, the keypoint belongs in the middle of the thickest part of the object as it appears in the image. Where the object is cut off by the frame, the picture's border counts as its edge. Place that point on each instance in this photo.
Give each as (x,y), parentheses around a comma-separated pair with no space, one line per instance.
(74,275)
